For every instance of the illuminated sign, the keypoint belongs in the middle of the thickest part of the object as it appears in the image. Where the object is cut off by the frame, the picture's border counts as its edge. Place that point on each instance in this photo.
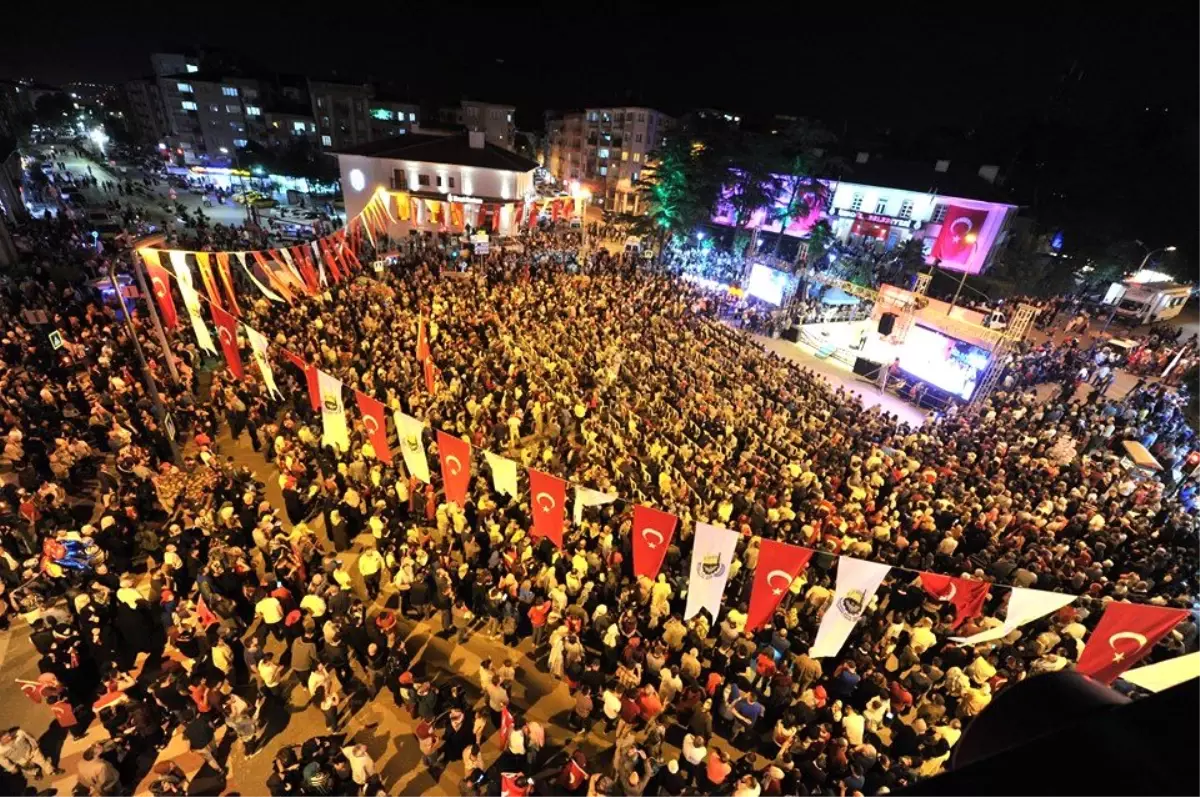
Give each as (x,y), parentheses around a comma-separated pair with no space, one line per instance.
(875,218)
(219,170)
(466,200)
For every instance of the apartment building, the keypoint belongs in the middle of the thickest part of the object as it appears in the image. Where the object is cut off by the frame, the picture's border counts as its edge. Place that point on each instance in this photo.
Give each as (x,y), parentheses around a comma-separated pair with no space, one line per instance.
(146,116)
(391,118)
(342,113)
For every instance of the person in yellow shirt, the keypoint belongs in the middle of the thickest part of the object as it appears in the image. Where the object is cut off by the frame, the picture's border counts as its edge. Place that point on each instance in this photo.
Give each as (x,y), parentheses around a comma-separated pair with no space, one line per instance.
(370,567)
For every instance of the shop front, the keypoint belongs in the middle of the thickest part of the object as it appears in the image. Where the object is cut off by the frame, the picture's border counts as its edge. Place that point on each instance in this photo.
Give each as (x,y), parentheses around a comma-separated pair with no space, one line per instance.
(876,229)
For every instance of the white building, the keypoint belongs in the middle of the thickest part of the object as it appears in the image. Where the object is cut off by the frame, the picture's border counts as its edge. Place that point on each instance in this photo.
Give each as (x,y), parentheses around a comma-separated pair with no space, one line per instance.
(481,181)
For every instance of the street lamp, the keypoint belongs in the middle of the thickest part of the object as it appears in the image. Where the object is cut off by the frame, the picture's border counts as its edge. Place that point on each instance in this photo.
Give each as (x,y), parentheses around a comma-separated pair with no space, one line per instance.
(1153,252)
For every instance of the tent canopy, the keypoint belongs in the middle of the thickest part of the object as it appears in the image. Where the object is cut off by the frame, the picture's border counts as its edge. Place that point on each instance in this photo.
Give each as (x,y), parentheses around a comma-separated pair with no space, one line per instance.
(837,296)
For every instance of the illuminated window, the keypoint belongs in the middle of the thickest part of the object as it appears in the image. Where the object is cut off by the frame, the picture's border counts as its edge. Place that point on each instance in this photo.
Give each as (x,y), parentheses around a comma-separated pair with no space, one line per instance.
(240,142)
(637,157)
(233,109)
(382,114)
(186,88)
(412,117)
(881,206)
(229,91)
(253,110)
(602,153)
(192,68)
(856,203)
(939,213)
(189,105)
(906,209)
(624,154)
(326,141)
(603,170)
(299,128)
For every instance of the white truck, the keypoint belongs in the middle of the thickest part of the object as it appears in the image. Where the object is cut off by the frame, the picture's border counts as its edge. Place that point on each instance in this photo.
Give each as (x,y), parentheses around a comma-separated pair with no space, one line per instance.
(1145,303)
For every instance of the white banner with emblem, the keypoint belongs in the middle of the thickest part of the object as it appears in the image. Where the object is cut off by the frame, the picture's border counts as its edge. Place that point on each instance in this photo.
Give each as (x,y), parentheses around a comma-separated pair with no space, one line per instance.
(857,582)
(712,554)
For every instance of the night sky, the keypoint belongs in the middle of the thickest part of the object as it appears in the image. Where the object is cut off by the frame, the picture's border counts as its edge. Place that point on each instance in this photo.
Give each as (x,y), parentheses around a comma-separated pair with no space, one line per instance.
(996,74)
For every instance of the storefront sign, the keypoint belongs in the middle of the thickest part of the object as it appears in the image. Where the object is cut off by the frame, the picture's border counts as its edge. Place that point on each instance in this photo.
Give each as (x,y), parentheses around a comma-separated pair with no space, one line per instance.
(466,200)
(875,218)
(219,170)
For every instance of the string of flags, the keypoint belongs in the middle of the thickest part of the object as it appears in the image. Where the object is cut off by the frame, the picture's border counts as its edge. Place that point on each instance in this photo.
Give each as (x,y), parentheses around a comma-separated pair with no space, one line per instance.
(1126,633)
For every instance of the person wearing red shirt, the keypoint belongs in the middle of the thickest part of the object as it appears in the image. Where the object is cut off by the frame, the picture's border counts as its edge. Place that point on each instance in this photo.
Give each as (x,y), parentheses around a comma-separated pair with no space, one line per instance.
(649,703)
(537,617)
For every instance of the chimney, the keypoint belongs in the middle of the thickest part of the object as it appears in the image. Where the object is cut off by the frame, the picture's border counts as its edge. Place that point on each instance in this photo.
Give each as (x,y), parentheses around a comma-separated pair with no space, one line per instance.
(941,166)
(989,172)
(475,139)
(862,157)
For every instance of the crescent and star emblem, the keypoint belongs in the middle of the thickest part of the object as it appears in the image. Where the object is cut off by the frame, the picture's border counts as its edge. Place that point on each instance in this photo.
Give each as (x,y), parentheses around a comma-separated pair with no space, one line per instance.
(455,465)
(787,581)
(1136,637)
(371,424)
(958,236)
(949,596)
(542,504)
(160,290)
(646,536)
(224,336)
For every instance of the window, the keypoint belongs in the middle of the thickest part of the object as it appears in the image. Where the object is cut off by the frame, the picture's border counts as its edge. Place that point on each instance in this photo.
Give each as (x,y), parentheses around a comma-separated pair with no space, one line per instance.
(510,117)
(229,91)
(439,179)
(641,117)
(423,179)
(326,141)
(629,116)
(906,209)
(636,175)
(624,154)
(240,143)
(451,181)
(190,68)
(399,179)
(603,170)
(939,214)
(382,114)
(637,157)
(186,88)
(233,109)
(881,206)
(189,106)
(856,203)
(299,127)
(250,94)
(253,110)
(320,102)
(637,138)
(412,117)
(602,152)
(591,116)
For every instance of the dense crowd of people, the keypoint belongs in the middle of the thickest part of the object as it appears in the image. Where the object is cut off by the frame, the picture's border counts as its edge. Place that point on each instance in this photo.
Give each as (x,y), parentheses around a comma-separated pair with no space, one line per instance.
(176,599)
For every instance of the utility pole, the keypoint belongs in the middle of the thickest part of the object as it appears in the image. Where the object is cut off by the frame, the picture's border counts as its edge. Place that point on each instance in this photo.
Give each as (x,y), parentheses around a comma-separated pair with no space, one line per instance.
(158,328)
(160,412)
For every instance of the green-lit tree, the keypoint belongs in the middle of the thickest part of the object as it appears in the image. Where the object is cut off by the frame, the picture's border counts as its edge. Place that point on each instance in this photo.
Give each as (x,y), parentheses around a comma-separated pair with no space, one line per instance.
(679,186)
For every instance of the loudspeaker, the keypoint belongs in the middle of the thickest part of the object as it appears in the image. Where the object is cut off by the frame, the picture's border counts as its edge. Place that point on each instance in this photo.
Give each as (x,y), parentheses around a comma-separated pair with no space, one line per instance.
(886,322)
(867,368)
(792,333)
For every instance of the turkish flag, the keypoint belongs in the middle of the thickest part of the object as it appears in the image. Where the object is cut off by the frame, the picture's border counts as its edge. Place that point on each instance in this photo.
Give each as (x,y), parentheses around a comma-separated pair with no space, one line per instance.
(227,334)
(310,376)
(652,533)
(960,231)
(778,564)
(422,342)
(206,276)
(430,375)
(160,286)
(514,784)
(455,455)
(372,412)
(968,596)
(227,280)
(1124,636)
(549,505)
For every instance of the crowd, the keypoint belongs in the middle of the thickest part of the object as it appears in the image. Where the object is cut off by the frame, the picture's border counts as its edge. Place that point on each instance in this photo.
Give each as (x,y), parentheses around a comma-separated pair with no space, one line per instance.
(179,599)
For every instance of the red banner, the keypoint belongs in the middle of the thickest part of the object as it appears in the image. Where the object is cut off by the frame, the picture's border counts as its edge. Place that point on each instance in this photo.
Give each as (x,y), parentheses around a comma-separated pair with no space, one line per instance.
(778,565)
(430,376)
(227,280)
(968,596)
(227,333)
(310,376)
(300,259)
(330,260)
(271,277)
(373,422)
(160,286)
(422,341)
(455,456)
(960,231)
(549,495)
(1124,636)
(206,276)
(652,533)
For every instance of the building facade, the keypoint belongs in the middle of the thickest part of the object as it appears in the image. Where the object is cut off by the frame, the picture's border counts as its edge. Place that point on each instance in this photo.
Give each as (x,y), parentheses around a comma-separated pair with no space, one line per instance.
(145,114)
(342,113)
(436,172)
(391,118)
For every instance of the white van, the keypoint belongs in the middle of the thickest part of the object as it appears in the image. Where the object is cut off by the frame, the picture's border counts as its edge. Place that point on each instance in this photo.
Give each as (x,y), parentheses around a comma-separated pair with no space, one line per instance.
(1138,303)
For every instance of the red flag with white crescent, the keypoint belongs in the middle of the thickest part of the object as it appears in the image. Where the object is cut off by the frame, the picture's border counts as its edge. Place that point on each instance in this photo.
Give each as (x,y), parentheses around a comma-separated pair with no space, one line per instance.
(160,286)
(422,341)
(967,595)
(652,533)
(430,375)
(1124,636)
(227,334)
(372,412)
(549,502)
(960,232)
(778,565)
(206,276)
(310,376)
(227,280)
(455,456)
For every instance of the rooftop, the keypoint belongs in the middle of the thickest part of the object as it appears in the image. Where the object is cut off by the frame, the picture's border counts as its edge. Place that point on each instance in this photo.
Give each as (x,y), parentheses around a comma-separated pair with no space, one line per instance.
(454,149)
(961,179)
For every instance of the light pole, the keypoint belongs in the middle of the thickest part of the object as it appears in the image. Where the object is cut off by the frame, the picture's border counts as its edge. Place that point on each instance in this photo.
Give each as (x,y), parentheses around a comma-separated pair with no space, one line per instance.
(971,238)
(1153,252)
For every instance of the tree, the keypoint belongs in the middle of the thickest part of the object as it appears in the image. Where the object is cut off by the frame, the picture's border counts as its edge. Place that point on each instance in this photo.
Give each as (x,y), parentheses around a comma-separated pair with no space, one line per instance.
(751,183)
(800,157)
(679,186)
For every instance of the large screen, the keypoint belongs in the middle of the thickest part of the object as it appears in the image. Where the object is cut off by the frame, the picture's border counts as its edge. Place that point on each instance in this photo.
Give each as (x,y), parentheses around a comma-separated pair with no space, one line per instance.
(767,283)
(951,364)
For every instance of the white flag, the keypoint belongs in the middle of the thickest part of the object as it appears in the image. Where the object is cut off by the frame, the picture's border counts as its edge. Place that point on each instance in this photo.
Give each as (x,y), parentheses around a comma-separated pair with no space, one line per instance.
(191,300)
(287,259)
(412,444)
(857,582)
(316,250)
(712,553)
(1164,674)
(585,497)
(258,344)
(270,294)
(333,412)
(504,473)
(1024,606)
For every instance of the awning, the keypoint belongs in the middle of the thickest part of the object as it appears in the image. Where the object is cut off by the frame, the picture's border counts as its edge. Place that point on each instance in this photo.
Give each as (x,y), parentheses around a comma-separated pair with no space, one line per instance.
(1140,456)
(837,296)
